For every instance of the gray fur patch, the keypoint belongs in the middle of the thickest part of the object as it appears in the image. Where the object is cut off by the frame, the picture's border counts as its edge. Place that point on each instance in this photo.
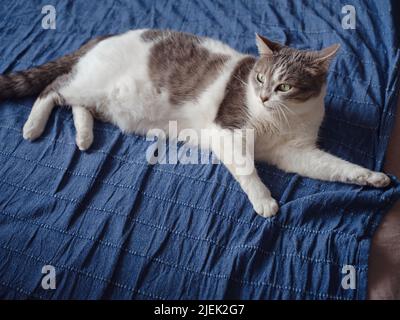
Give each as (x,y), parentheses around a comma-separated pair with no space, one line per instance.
(233,112)
(179,64)
(152,35)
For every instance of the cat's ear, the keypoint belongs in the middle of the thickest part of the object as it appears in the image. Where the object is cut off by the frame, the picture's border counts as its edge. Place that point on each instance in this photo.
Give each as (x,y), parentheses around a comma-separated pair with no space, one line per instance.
(326,55)
(266,46)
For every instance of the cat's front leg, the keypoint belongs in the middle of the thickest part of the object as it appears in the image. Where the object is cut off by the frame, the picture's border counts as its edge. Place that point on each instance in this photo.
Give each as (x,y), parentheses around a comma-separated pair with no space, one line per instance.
(315,163)
(241,166)
(258,194)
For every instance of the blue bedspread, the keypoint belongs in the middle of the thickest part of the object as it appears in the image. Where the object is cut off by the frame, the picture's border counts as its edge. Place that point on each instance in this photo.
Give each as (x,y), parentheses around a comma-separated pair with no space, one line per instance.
(113,226)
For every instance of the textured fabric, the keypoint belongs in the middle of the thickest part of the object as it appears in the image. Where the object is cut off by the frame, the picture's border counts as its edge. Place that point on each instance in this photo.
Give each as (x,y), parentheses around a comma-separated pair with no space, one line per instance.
(115,227)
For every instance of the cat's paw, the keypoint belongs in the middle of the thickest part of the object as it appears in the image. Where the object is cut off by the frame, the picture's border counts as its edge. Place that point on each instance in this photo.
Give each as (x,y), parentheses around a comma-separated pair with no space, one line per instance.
(378,180)
(31,130)
(367,177)
(266,207)
(263,203)
(84,140)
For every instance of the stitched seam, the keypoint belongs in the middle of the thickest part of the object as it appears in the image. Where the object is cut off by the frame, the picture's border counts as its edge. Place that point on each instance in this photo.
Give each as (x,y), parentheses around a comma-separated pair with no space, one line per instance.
(107,182)
(348,147)
(181,203)
(329,9)
(21,290)
(240,221)
(287,177)
(184,235)
(129,161)
(351,123)
(351,100)
(132,162)
(362,81)
(87,176)
(128,288)
(80,272)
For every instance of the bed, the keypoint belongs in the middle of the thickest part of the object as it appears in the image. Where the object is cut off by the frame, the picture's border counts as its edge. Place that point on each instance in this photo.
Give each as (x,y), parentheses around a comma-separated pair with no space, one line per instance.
(114,227)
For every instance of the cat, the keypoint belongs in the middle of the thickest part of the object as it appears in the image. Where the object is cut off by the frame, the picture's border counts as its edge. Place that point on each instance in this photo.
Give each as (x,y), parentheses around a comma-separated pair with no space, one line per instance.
(145,78)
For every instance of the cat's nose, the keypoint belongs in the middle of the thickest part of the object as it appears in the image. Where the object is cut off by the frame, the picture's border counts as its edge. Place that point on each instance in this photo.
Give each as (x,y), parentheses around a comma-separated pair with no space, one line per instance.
(264,98)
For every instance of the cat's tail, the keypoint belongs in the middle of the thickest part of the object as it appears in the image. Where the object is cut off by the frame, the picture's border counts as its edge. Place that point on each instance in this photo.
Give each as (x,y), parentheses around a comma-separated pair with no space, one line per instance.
(33,81)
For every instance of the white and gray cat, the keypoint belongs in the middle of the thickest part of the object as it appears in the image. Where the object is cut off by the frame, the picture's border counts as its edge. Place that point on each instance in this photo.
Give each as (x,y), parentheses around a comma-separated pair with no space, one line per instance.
(143,79)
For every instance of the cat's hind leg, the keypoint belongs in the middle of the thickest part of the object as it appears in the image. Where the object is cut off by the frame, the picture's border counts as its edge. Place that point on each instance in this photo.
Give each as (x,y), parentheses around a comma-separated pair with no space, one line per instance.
(83,121)
(39,115)
(42,108)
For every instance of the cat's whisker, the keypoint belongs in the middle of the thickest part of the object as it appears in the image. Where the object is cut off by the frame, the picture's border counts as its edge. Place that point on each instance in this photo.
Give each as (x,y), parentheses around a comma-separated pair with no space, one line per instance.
(241,80)
(281,111)
(286,108)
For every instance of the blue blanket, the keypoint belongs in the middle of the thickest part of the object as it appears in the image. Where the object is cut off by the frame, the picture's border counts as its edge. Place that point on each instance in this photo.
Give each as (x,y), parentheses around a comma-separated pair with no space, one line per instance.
(114,227)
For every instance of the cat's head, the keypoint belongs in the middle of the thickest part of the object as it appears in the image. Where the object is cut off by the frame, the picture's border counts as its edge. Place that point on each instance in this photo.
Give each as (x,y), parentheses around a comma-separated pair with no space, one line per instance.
(288,76)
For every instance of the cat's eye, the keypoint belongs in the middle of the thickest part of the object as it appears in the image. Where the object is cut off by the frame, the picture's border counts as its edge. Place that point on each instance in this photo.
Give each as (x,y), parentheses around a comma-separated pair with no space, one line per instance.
(260,78)
(284,87)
